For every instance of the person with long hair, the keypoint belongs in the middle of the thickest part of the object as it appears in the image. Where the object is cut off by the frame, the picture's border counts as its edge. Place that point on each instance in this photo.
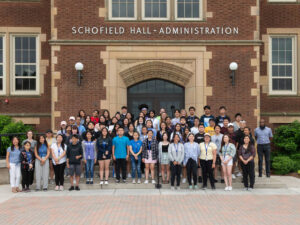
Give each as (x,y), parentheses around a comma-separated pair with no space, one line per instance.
(150,155)
(86,121)
(95,116)
(164,161)
(125,125)
(176,119)
(129,134)
(59,150)
(50,140)
(89,156)
(177,131)
(13,163)
(169,124)
(191,160)
(162,130)
(62,129)
(195,128)
(136,157)
(82,115)
(29,138)
(104,152)
(106,115)
(227,154)
(42,153)
(176,157)
(149,125)
(247,154)
(139,123)
(27,162)
(208,153)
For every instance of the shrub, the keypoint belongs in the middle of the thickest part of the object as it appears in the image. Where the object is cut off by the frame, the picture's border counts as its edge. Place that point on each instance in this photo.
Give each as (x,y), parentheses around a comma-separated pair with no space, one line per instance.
(12,127)
(4,120)
(283,164)
(296,159)
(287,138)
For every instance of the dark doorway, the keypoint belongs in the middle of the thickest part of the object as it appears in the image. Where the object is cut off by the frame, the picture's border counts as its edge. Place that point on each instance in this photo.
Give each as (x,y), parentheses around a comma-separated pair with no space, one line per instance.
(156,93)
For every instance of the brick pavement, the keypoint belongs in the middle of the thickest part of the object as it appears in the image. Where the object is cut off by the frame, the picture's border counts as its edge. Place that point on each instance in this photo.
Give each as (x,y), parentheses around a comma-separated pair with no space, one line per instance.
(203,208)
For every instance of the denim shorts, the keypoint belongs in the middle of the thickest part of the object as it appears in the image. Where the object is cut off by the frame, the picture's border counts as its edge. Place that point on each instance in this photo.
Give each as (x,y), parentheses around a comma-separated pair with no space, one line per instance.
(75,169)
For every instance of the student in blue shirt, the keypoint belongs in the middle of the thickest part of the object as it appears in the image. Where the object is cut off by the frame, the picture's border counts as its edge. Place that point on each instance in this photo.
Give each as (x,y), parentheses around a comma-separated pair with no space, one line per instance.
(206,116)
(13,164)
(42,153)
(136,157)
(120,151)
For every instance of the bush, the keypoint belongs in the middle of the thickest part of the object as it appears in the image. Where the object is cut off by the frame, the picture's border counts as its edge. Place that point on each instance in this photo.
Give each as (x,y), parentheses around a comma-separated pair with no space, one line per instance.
(4,120)
(296,159)
(12,127)
(287,138)
(283,164)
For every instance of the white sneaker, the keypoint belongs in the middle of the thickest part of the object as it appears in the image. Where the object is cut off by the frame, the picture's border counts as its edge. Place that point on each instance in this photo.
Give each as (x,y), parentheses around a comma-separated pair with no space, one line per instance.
(106,182)
(239,174)
(172,188)
(56,188)
(226,189)
(82,176)
(133,181)
(233,176)
(129,175)
(178,188)
(61,188)
(139,181)
(146,182)
(101,182)
(183,180)
(153,181)
(229,188)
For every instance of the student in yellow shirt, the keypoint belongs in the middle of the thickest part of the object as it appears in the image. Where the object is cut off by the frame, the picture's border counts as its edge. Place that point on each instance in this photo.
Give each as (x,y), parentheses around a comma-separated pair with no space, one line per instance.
(211,128)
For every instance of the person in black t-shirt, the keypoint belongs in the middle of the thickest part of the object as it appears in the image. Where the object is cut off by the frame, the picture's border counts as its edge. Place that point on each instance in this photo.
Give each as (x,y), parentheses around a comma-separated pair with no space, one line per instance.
(199,138)
(191,118)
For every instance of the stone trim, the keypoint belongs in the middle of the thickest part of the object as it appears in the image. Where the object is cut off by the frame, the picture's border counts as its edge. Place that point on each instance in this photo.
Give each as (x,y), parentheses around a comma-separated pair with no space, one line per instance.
(255,10)
(56,75)
(53,14)
(28,120)
(119,60)
(256,91)
(154,42)
(283,119)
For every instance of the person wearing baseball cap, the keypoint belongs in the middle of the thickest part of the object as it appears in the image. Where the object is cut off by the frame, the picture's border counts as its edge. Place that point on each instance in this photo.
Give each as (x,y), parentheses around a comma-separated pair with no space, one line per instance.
(72,120)
(208,153)
(63,125)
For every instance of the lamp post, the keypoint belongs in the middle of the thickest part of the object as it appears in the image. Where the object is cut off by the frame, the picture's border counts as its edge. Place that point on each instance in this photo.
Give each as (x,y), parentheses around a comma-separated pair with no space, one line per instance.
(233,67)
(79,68)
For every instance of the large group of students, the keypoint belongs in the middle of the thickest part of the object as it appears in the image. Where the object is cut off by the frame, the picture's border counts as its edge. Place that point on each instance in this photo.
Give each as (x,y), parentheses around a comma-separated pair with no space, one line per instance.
(185,148)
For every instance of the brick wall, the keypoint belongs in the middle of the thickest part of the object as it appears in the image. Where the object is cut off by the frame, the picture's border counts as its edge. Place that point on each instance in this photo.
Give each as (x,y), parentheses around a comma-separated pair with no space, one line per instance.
(22,14)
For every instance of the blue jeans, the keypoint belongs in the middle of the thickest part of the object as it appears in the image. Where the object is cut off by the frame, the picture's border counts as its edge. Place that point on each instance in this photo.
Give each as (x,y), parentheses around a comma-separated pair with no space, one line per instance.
(136,166)
(89,168)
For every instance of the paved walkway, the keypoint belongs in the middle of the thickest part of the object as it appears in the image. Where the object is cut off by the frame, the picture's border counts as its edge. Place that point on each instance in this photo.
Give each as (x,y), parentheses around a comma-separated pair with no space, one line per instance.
(150,206)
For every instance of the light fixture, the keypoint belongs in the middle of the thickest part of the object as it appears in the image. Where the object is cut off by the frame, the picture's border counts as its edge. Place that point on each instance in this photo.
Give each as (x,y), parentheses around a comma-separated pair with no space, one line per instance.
(233,67)
(79,67)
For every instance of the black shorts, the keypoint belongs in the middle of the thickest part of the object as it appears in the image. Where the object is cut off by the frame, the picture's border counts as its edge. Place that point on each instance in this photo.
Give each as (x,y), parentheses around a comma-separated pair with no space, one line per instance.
(218,161)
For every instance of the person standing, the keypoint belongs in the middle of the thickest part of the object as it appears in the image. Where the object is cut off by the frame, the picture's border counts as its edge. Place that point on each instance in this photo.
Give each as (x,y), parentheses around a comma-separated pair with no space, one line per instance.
(163,147)
(217,139)
(13,163)
(150,155)
(89,157)
(237,122)
(208,152)
(136,157)
(227,154)
(247,154)
(263,135)
(50,140)
(176,157)
(42,152)
(59,150)
(191,158)
(120,152)
(104,149)
(74,156)
(222,116)
(191,118)
(204,119)
(27,161)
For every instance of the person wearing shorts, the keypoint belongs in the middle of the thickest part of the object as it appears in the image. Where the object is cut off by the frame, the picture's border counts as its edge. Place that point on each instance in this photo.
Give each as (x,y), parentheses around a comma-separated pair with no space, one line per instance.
(74,156)
(227,154)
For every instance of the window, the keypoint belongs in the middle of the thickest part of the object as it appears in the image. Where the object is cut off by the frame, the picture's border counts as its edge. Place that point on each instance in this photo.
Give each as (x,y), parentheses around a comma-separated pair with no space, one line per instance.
(282,66)
(25,66)
(122,9)
(188,9)
(2,72)
(156,9)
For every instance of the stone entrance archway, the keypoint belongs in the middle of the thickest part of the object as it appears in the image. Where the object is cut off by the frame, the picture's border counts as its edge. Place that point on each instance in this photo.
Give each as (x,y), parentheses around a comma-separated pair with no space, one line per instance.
(183,65)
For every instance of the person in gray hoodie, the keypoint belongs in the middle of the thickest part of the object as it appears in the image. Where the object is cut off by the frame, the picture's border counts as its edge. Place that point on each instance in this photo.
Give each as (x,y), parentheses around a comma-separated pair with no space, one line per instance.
(176,156)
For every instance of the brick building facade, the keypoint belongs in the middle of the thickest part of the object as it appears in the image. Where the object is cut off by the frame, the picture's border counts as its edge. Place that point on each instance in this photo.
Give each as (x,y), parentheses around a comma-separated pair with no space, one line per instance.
(190,45)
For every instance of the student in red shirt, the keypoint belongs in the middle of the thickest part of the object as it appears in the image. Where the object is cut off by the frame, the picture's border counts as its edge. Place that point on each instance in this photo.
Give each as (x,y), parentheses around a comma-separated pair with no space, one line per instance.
(95,117)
